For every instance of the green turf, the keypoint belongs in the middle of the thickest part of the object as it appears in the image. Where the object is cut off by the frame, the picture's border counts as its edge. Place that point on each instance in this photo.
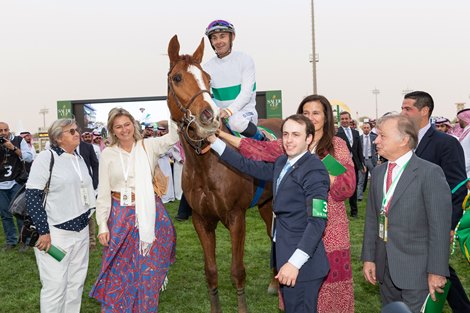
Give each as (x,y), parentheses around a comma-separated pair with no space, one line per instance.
(187,292)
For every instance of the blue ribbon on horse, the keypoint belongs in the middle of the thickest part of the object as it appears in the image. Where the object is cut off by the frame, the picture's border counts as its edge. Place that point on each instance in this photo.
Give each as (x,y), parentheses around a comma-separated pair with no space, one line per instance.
(259,191)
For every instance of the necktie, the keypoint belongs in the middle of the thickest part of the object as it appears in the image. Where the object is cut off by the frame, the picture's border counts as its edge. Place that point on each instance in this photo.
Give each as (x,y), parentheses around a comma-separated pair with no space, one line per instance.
(391,166)
(349,134)
(366,146)
(283,172)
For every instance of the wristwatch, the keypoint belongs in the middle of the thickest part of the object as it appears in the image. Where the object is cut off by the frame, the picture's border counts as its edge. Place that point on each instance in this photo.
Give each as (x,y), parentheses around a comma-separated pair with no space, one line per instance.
(14,149)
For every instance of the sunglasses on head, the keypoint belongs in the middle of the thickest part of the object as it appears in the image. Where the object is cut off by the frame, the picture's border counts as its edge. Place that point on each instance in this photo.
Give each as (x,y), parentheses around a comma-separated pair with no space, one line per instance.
(72,131)
(219,23)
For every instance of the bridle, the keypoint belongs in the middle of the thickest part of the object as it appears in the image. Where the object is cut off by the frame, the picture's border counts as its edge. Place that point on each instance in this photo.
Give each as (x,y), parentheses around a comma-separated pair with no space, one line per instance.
(199,145)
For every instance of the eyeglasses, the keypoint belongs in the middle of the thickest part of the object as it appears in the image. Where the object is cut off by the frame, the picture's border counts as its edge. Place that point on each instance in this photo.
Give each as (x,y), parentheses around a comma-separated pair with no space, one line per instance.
(72,131)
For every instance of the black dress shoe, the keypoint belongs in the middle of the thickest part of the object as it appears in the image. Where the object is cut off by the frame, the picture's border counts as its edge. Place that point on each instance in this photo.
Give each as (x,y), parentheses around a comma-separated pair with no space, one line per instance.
(181,218)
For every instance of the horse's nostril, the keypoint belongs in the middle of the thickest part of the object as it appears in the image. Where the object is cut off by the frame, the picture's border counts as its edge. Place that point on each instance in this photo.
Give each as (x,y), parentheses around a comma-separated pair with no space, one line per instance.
(207,116)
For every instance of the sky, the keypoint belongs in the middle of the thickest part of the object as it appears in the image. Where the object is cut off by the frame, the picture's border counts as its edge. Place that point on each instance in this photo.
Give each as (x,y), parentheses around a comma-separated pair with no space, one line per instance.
(54,50)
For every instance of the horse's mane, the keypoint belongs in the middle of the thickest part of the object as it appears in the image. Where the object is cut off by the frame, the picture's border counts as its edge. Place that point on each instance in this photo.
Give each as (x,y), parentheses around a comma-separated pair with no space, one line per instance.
(187,59)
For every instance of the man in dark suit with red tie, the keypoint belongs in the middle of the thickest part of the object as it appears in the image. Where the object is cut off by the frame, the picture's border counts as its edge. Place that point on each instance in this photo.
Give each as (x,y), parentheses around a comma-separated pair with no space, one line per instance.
(300,185)
(351,136)
(445,151)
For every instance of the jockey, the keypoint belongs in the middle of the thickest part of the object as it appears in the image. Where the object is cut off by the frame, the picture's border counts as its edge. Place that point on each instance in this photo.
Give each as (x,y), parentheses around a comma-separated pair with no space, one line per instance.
(233,81)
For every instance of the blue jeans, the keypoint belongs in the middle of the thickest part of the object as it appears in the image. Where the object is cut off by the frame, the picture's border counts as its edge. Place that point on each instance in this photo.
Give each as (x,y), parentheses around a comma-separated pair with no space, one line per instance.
(9,227)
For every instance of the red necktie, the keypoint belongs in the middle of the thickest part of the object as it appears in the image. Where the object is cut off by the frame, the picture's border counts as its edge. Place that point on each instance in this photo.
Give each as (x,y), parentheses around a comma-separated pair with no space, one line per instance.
(391,166)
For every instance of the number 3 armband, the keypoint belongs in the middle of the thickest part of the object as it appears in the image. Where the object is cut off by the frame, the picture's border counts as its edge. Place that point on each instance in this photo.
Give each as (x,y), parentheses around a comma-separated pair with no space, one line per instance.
(317,208)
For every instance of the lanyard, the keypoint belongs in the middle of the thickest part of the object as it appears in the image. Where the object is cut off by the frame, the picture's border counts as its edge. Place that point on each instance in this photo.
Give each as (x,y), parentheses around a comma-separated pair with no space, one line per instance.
(125,171)
(76,167)
(388,195)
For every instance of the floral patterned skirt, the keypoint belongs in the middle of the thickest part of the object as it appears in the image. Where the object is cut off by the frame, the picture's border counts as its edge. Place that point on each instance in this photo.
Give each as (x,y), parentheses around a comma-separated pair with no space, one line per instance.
(129,282)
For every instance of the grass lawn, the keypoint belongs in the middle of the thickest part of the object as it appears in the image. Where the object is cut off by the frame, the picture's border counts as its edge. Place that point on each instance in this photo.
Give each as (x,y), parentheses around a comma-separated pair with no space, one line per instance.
(187,292)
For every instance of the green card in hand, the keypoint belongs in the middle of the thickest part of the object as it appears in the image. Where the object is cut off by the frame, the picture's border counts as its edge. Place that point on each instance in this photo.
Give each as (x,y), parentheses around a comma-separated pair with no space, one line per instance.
(332,165)
(437,306)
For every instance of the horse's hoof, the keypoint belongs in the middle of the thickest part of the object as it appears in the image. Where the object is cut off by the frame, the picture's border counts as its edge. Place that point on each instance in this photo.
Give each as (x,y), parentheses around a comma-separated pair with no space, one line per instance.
(215,302)
(272,291)
(241,300)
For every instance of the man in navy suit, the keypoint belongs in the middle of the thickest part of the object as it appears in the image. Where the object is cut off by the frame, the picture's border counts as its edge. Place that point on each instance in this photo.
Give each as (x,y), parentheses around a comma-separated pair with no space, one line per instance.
(351,136)
(300,184)
(445,151)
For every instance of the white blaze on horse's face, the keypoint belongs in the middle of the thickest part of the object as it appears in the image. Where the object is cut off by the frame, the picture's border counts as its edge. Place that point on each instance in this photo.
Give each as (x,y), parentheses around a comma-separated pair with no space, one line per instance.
(200,82)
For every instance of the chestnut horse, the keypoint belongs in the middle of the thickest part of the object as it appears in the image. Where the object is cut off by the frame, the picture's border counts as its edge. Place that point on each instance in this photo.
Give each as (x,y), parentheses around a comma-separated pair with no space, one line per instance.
(214,191)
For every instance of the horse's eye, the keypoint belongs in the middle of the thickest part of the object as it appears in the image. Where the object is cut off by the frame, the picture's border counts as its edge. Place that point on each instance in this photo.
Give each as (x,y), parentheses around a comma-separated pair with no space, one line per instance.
(177,78)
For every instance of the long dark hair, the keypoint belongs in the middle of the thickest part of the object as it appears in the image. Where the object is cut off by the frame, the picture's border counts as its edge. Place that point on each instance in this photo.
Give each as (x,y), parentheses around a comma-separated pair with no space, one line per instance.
(325,145)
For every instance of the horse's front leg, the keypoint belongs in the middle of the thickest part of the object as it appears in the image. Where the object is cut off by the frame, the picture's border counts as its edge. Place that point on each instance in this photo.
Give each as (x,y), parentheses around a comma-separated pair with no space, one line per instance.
(205,228)
(237,234)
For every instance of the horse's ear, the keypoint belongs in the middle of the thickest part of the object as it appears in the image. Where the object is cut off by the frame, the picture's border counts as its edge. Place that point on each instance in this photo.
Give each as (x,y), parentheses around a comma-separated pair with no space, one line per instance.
(173,50)
(199,53)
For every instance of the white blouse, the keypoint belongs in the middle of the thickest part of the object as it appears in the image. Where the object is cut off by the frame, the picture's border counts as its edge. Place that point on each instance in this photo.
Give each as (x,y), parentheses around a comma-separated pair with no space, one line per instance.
(111,173)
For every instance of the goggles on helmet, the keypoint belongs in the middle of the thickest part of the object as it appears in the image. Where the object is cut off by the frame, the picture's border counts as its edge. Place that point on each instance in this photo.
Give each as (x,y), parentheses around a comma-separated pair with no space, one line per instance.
(219,26)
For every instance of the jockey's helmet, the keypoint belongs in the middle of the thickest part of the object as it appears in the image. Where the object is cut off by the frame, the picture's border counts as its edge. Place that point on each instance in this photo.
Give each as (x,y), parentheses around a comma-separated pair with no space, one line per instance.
(219,26)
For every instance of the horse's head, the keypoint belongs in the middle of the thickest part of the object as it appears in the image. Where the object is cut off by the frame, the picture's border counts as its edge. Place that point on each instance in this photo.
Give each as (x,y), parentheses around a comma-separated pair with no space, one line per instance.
(189,98)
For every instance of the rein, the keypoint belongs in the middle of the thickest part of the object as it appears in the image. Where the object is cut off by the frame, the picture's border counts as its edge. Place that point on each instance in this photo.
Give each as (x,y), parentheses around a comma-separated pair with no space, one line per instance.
(199,145)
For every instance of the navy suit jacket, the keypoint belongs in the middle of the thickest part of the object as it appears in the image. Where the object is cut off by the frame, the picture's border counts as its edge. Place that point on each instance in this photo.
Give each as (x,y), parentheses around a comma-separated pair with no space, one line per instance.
(355,149)
(89,156)
(308,179)
(446,151)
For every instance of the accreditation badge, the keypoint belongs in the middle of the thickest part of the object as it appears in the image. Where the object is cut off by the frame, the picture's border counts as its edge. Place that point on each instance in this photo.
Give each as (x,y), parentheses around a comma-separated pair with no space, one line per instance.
(84,196)
(383,220)
(126,196)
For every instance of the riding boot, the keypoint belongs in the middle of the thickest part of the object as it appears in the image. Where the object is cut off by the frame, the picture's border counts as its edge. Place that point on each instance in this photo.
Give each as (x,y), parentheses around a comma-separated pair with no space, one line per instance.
(184,210)
(252,131)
